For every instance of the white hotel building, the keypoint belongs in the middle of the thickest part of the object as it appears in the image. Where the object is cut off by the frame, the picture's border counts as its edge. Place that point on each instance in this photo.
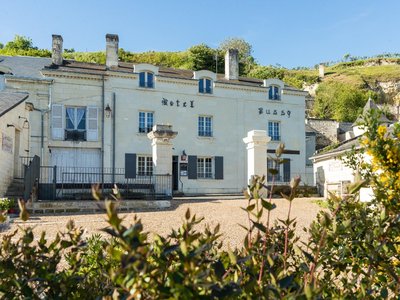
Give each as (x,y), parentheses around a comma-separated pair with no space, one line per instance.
(98,116)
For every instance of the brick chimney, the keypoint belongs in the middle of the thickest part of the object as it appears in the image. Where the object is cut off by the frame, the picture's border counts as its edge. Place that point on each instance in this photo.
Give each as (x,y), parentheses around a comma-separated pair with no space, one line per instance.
(112,50)
(57,49)
(232,64)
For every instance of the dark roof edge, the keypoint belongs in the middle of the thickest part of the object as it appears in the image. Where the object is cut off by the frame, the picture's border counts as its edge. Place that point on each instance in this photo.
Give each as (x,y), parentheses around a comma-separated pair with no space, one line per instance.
(16,104)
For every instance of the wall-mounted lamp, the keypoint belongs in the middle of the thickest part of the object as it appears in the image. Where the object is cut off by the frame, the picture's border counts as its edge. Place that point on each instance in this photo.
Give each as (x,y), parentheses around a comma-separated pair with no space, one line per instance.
(108,111)
(184,156)
(26,122)
(10,125)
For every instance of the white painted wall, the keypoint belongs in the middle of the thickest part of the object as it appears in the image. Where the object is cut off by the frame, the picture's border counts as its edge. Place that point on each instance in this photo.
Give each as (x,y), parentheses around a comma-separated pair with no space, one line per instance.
(8,133)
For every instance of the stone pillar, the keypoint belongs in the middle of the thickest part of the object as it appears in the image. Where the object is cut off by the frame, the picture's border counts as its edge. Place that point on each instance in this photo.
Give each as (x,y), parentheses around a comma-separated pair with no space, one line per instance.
(57,50)
(256,142)
(161,137)
(321,69)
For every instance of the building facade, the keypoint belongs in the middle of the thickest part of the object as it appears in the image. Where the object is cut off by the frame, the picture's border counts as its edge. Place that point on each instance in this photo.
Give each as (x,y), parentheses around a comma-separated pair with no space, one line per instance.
(98,116)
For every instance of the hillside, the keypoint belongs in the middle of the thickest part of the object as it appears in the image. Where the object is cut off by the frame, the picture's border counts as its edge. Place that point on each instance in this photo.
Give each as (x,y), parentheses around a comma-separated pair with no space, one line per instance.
(345,87)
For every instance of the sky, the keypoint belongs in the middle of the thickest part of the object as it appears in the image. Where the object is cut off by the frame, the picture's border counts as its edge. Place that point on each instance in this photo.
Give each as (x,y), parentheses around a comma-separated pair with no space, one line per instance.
(290,33)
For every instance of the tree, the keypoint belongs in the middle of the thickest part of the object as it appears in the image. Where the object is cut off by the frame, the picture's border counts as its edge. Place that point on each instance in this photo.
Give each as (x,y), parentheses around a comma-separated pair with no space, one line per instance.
(20,43)
(1,46)
(202,57)
(247,61)
(339,101)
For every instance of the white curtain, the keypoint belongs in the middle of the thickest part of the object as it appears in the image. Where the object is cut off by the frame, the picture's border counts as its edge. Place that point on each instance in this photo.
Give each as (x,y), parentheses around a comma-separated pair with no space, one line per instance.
(80,113)
(71,115)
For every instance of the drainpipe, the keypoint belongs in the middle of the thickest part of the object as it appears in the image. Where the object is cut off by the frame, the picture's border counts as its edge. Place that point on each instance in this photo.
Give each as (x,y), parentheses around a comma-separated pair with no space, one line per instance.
(102,132)
(113,136)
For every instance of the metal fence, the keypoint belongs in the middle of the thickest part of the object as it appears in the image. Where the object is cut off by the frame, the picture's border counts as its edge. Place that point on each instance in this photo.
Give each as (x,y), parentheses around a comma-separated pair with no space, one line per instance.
(76,183)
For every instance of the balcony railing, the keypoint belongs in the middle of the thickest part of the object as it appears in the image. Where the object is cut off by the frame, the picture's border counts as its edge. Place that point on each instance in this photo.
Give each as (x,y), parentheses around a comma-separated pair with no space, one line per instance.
(75,135)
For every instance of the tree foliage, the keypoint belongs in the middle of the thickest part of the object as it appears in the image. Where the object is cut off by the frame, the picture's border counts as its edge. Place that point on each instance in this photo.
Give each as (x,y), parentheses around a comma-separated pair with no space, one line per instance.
(339,101)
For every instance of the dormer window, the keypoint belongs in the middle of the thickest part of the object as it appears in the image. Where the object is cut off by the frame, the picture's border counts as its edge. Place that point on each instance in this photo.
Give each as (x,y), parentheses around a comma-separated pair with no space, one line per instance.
(274,93)
(205,86)
(146,79)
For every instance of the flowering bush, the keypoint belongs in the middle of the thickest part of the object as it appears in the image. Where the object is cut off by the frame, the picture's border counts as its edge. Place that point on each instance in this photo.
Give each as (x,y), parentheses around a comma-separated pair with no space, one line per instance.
(352,253)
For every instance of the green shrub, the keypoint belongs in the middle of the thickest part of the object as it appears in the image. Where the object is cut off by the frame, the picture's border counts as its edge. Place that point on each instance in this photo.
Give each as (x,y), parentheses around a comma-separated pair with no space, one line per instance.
(352,253)
(6,204)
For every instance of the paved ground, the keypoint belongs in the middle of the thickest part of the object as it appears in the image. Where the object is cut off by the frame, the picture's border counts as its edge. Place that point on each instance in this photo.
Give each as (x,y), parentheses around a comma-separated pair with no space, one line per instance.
(223,209)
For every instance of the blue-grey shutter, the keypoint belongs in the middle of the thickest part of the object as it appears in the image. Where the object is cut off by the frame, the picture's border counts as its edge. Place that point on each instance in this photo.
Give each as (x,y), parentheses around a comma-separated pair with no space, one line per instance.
(201,85)
(192,167)
(219,167)
(142,79)
(130,165)
(286,170)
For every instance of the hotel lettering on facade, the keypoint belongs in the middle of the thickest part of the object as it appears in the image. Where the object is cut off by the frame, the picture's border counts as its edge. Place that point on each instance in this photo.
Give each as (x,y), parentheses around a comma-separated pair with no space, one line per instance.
(98,116)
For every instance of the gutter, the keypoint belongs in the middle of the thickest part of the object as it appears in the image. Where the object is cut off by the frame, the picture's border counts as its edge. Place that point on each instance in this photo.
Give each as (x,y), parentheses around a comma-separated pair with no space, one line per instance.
(102,130)
(113,136)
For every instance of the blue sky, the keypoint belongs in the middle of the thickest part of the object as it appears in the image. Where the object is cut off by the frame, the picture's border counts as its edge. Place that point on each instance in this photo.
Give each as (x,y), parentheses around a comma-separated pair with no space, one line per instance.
(290,33)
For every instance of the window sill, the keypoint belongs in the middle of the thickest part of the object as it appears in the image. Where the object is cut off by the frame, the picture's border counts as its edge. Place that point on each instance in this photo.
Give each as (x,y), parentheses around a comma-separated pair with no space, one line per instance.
(210,138)
(146,88)
(205,94)
(142,133)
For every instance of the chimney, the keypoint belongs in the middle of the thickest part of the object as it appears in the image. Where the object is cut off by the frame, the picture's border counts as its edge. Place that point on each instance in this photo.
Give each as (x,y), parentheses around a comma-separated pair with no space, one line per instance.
(321,69)
(232,64)
(57,49)
(112,50)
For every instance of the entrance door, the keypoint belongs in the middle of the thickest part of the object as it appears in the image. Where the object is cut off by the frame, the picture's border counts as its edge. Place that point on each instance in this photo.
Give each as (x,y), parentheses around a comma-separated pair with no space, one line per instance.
(175,173)
(17,166)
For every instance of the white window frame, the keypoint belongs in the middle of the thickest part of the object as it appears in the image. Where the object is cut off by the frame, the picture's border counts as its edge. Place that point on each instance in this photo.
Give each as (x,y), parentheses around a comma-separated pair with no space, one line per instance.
(146,125)
(205,167)
(279,137)
(202,128)
(144,165)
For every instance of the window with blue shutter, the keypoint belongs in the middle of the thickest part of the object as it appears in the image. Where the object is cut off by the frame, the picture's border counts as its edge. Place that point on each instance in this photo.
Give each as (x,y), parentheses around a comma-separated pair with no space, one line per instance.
(146,79)
(201,86)
(205,86)
(130,165)
(219,167)
(192,167)
(274,93)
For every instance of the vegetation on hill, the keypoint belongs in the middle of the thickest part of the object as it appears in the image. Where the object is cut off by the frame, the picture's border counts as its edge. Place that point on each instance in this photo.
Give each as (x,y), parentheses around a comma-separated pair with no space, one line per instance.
(357,76)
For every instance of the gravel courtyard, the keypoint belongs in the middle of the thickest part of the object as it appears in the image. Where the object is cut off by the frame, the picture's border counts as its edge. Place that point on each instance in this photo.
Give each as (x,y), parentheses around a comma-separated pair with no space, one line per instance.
(222,209)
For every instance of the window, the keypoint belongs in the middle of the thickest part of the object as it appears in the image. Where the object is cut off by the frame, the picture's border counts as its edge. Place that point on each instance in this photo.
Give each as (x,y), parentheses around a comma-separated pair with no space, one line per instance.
(272,165)
(75,123)
(204,167)
(146,121)
(205,86)
(274,131)
(146,79)
(144,165)
(273,93)
(205,126)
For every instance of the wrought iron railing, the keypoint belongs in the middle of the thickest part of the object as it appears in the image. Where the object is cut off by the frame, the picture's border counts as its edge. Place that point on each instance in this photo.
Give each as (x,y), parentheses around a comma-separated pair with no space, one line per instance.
(76,183)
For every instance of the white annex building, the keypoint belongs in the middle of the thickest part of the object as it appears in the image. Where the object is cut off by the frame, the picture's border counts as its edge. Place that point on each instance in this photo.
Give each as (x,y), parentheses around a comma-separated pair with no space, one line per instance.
(97,117)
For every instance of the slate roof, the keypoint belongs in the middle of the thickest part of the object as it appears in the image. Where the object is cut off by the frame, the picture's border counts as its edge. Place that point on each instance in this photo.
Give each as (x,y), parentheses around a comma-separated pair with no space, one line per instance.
(31,67)
(369,106)
(10,100)
(25,66)
(342,147)
(124,67)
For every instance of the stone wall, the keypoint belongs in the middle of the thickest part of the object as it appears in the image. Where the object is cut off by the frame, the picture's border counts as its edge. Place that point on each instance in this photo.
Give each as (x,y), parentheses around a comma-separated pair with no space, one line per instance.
(328,131)
(8,146)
